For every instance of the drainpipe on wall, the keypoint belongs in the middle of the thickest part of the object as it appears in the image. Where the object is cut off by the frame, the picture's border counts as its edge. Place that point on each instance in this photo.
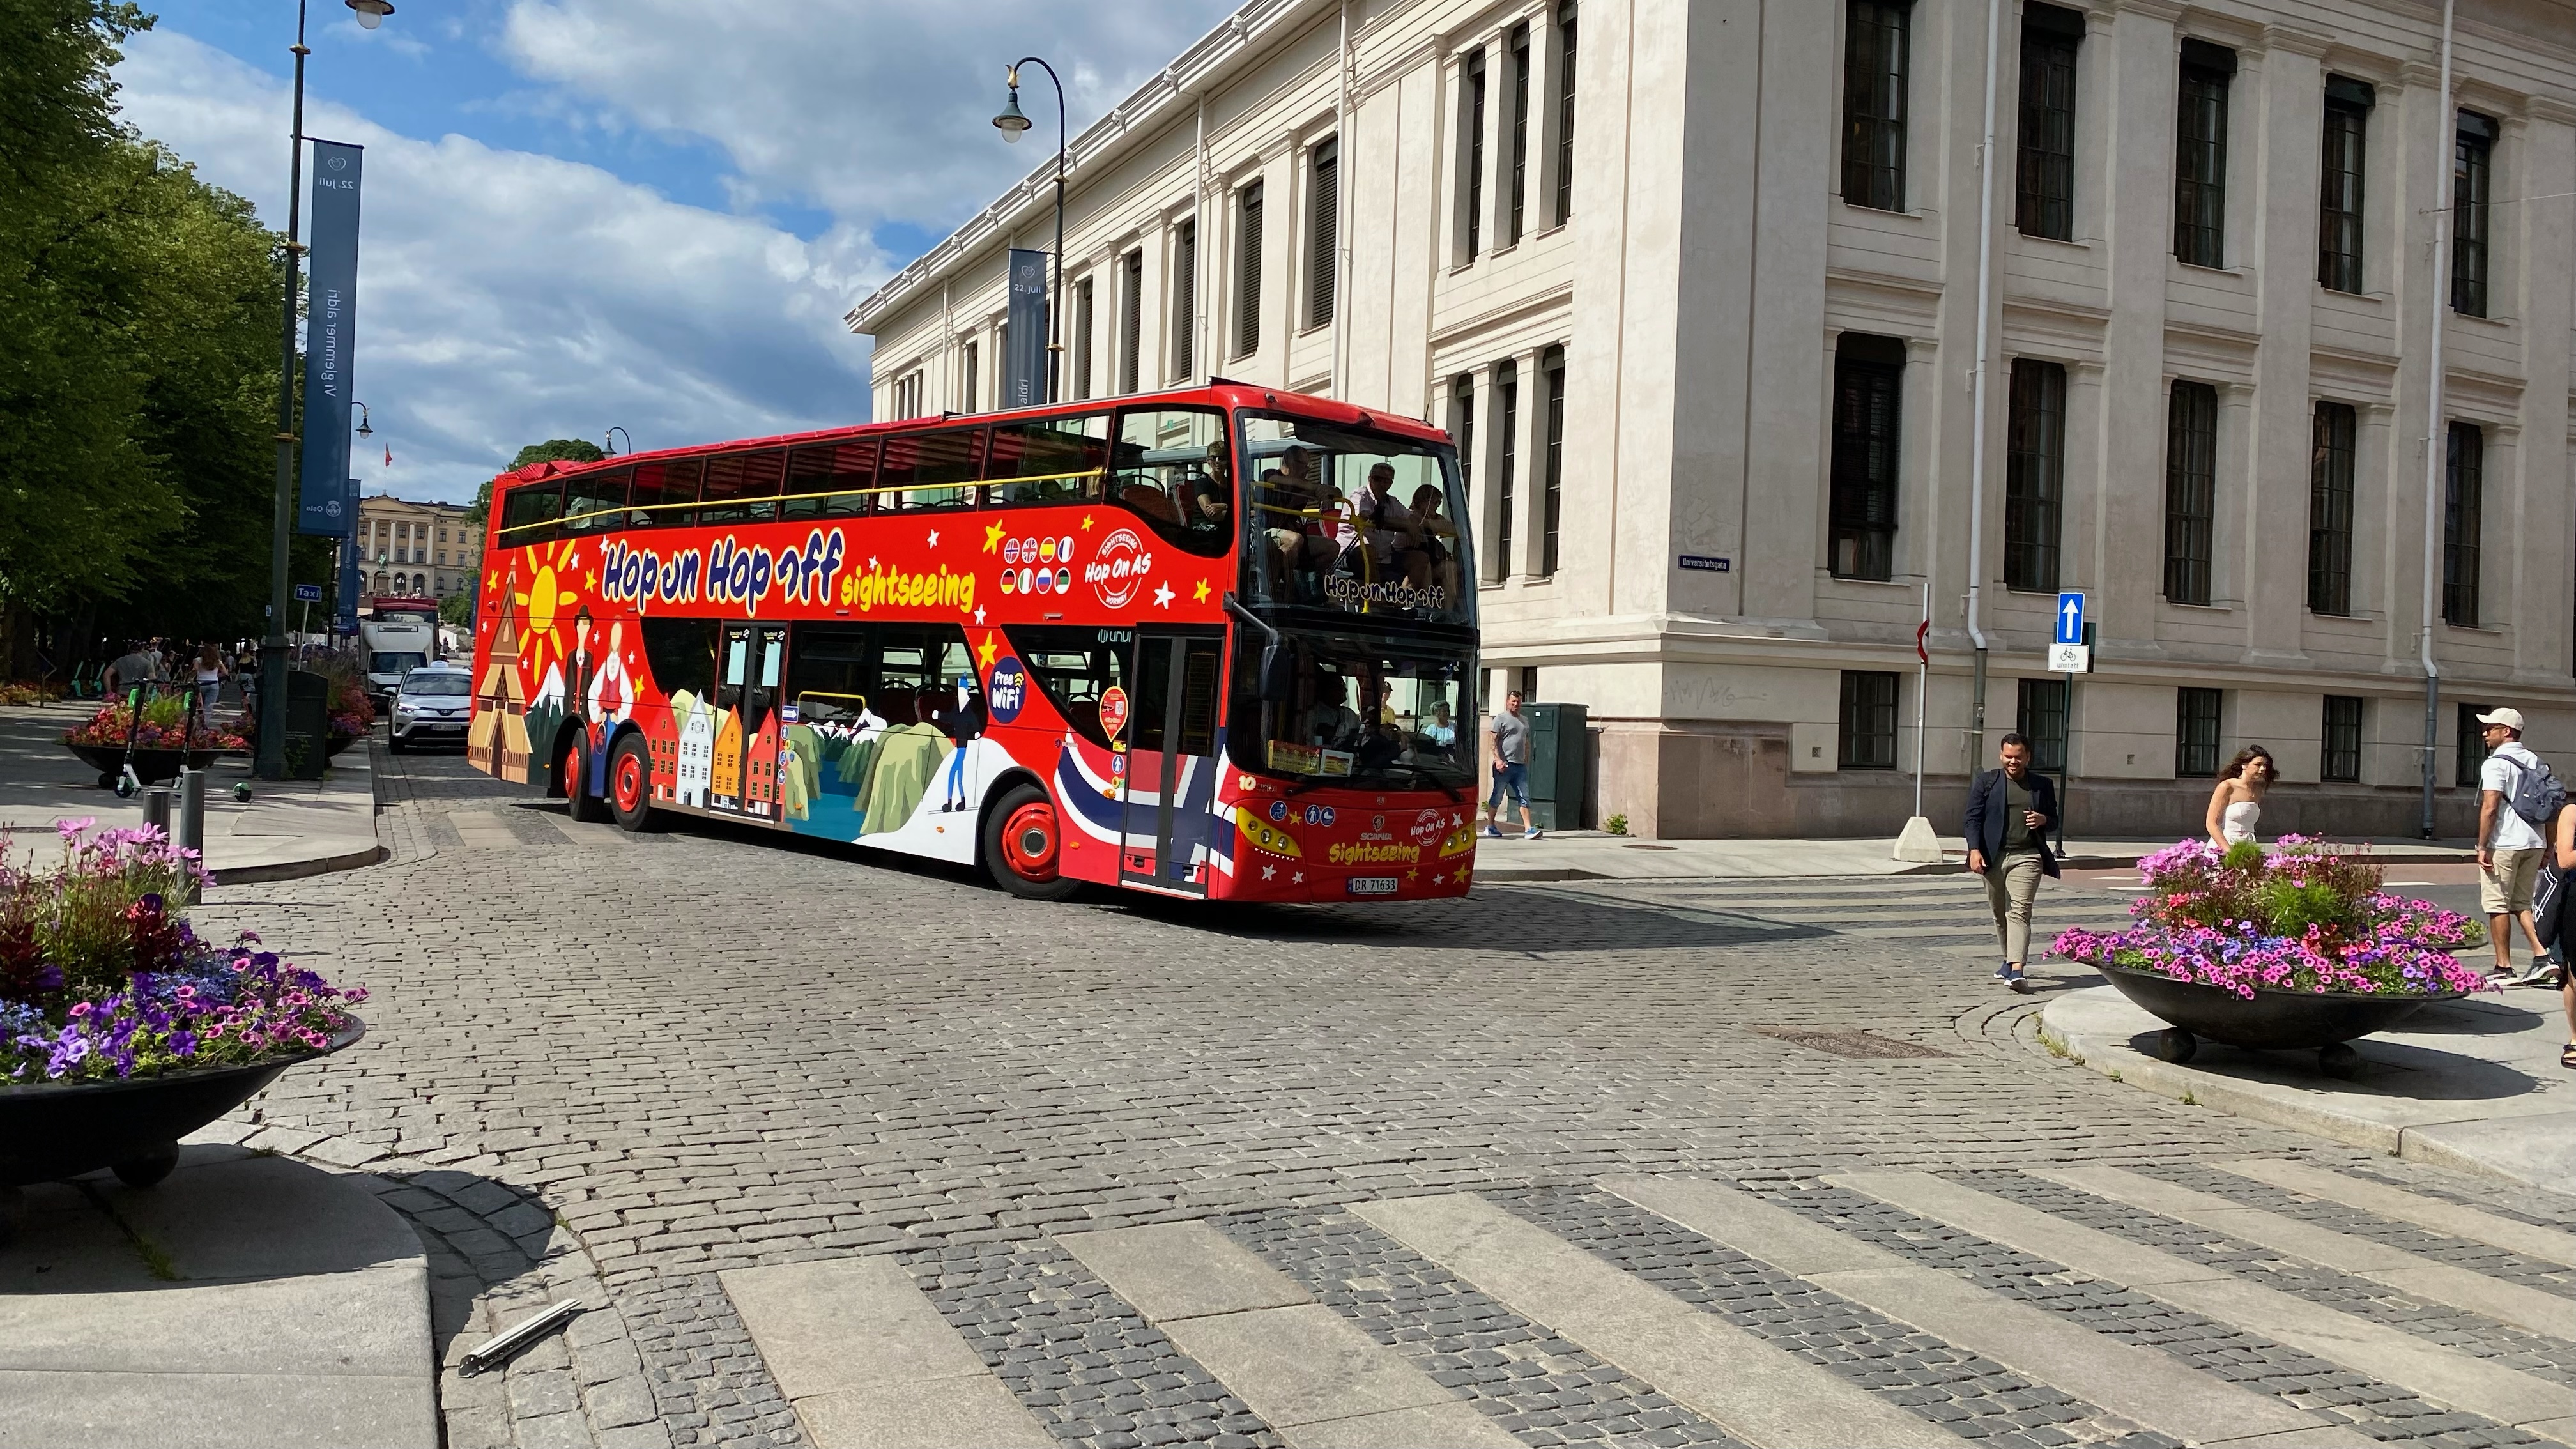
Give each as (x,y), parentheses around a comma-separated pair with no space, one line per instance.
(2433,433)
(1977,386)
(1341,191)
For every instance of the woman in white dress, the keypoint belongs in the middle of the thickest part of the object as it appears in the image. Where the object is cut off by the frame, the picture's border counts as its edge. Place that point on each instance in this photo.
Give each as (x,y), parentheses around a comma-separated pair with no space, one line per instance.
(2237,804)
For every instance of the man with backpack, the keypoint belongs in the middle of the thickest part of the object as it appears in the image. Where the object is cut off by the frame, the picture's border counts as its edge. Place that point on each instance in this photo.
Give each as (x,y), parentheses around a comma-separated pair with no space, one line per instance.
(2519,797)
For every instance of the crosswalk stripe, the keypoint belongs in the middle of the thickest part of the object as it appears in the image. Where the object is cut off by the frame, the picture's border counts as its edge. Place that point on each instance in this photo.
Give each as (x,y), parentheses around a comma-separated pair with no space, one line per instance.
(2388,1354)
(1309,1373)
(2513,1303)
(1761,1394)
(2149,1388)
(2531,1240)
(868,1363)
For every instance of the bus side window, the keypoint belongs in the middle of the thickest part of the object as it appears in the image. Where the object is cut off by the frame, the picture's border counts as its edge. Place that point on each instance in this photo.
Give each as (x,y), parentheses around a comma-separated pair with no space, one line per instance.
(528,514)
(1058,460)
(595,502)
(682,654)
(930,472)
(1170,468)
(830,481)
(741,488)
(660,489)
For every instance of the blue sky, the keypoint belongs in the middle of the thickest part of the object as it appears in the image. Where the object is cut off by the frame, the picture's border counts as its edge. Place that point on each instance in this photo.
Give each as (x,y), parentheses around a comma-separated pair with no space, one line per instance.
(648,213)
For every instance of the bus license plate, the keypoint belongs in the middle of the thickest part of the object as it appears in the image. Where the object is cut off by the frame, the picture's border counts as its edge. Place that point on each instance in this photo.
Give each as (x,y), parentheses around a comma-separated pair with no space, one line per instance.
(1373,885)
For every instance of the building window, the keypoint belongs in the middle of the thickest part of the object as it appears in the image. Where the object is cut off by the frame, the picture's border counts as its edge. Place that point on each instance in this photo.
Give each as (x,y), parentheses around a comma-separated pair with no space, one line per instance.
(2200,154)
(1185,299)
(2196,732)
(2044,174)
(2330,511)
(1507,410)
(1471,155)
(1520,48)
(1082,338)
(1131,314)
(2471,172)
(1551,377)
(1868,731)
(2460,524)
(2347,138)
(2039,715)
(1462,425)
(1564,111)
(2340,763)
(1869,383)
(966,360)
(1247,269)
(1874,63)
(2469,752)
(2191,490)
(2034,475)
(1324,234)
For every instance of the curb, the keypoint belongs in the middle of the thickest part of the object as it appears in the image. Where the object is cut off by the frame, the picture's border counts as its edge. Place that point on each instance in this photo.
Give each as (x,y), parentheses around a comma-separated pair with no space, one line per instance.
(299,869)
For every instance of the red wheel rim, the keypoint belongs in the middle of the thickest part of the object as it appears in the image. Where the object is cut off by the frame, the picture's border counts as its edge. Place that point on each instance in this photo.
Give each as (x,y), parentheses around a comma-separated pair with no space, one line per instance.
(572,771)
(629,782)
(1028,841)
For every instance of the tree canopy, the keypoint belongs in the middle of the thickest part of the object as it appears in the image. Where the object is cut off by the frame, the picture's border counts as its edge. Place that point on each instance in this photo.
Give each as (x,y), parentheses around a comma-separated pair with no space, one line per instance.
(552,450)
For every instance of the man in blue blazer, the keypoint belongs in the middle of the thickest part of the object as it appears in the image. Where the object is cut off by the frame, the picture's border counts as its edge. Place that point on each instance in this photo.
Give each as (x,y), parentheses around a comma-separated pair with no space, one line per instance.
(2010,812)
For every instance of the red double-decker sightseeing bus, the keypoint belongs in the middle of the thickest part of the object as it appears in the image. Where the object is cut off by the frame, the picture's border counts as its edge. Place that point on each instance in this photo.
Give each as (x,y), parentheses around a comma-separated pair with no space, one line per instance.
(1215,643)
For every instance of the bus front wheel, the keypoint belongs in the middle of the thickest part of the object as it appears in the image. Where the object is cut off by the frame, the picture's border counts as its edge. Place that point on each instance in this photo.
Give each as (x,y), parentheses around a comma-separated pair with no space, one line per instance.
(630,784)
(574,776)
(1022,841)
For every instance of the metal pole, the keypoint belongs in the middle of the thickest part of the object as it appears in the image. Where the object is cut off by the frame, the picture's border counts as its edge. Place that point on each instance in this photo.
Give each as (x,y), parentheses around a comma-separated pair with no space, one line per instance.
(270,762)
(1055,307)
(1922,689)
(1977,385)
(156,807)
(2434,452)
(192,820)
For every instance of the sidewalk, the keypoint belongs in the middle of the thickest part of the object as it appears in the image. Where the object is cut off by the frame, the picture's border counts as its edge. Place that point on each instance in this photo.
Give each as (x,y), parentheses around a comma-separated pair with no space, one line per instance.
(245,1301)
(2472,1085)
(289,828)
(1593,855)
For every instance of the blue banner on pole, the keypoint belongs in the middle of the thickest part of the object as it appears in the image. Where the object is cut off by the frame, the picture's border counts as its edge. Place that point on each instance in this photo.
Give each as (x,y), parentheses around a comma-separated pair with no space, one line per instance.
(1024,363)
(330,337)
(353,566)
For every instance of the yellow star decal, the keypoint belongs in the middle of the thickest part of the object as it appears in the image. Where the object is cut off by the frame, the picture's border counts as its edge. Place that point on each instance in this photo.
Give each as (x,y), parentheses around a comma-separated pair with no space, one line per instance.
(1086,523)
(985,651)
(591,582)
(1201,592)
(992,538)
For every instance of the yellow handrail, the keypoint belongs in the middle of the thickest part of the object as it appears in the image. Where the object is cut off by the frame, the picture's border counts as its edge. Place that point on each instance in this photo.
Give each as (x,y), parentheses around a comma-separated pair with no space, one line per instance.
(623,509)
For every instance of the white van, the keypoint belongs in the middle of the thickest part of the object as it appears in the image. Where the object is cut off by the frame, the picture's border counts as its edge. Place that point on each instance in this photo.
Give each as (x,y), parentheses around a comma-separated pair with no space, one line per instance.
(394,647)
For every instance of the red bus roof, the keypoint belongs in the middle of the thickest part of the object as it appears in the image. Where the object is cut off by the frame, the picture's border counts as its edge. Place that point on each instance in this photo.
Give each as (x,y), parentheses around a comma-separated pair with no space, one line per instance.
(1222,393)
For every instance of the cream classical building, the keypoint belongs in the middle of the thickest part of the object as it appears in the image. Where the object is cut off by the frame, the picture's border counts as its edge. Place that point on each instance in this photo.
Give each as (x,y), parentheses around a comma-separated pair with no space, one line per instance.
(1695,283)
(416,550)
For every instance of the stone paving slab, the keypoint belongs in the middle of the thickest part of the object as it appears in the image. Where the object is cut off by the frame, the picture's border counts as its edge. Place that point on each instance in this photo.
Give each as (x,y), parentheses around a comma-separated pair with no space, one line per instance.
(2474,1085)
(2531,1240)
(1593,855)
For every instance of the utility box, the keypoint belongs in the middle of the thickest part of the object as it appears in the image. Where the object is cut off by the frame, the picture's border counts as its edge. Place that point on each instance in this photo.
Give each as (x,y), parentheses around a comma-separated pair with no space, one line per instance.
(1560,760)
(308,724)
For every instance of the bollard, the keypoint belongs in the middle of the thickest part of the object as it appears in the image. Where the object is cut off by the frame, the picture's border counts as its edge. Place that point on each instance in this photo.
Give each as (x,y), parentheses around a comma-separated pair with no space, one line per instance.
(156,807)
(192,822)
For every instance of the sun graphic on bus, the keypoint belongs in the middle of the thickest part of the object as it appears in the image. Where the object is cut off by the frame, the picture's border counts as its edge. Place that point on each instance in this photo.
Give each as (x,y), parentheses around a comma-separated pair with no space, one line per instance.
(540,606)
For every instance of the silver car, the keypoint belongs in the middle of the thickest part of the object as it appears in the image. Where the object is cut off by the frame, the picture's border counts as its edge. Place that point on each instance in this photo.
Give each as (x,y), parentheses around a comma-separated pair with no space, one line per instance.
(432,706)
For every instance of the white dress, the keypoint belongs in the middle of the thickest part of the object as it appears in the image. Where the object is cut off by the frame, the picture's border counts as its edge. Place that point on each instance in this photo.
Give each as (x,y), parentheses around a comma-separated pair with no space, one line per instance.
(2238,823)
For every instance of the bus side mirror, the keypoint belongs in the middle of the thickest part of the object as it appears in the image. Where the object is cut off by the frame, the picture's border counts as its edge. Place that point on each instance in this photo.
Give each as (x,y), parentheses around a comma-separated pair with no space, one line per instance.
(1278,674)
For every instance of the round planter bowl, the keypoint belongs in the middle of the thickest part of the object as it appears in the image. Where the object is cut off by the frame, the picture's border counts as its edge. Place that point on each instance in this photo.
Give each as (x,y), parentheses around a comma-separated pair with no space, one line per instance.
(2273,1020)
(54,1130)
(150,766)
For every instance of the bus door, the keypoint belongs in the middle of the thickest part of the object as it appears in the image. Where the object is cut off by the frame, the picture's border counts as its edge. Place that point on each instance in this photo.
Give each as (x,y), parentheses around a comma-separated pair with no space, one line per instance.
(1172,761)
(745,767)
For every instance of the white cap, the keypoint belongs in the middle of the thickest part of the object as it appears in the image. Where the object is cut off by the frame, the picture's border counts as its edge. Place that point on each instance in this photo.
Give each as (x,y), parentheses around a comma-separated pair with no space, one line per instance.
(2508,716)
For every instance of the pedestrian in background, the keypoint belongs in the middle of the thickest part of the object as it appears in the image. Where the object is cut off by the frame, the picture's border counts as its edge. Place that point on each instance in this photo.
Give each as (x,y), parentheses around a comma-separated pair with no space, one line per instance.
(1508,736)
(2553,904)
(2011,809)
(2517,796)
(2236,805)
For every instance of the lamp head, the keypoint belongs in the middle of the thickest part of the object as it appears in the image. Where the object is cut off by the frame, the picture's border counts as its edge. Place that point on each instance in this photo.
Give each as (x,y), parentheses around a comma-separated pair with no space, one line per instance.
(1010,122)
(371,13)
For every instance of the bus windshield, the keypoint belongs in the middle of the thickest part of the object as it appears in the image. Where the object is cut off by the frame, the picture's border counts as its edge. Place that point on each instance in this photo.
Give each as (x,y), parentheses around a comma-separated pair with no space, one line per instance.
(1379,711)
(1354,521)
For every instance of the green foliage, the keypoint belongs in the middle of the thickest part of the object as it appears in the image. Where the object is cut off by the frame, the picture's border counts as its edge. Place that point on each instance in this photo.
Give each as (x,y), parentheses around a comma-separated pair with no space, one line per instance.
(1616,824)
(557,450)
(457,608)
(2243,855)
(138,385)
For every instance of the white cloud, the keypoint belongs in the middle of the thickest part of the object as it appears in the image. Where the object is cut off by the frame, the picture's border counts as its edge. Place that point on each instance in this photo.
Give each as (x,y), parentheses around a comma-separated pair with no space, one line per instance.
(506,297)
(875,110)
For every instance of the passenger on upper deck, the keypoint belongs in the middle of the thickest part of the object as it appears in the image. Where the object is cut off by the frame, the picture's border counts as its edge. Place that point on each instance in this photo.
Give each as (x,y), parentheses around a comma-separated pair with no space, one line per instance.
(1387,528)
(1294,506)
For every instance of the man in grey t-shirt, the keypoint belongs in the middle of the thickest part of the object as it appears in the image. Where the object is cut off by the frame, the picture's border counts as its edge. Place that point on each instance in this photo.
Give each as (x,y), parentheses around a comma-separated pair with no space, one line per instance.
(1508,739)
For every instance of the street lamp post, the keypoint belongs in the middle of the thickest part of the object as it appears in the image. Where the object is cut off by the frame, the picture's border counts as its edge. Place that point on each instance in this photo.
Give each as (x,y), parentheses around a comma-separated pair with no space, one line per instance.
(270,763)
(610,439)
(1012,124)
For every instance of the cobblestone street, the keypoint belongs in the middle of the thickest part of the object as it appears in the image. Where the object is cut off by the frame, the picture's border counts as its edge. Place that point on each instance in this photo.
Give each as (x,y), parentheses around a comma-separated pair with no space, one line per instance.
(628,1064)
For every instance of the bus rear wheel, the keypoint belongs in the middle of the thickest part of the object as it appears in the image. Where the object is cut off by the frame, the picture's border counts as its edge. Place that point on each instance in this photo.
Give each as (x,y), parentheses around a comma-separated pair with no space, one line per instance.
(1022,843)
(574,776)
(630,785)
